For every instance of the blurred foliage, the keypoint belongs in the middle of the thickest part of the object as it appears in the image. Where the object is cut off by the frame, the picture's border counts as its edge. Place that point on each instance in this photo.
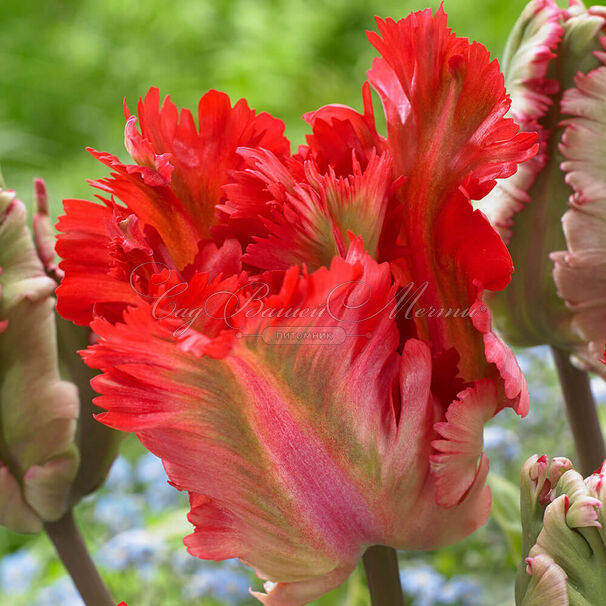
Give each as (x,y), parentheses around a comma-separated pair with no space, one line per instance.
(67,65)
(65,68)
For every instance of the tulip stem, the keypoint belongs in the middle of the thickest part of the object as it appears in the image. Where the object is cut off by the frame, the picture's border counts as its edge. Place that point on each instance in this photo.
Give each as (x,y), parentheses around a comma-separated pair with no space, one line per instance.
(582,413)
(383,575)
(73,552)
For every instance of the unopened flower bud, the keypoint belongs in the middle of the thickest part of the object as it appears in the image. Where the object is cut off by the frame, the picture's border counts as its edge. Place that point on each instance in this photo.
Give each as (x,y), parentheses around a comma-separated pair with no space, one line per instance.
(566,564)
(555,74)
(38,411)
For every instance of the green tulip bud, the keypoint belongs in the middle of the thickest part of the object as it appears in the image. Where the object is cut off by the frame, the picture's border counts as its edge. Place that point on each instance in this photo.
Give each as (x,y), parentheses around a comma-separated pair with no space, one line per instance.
(551,56)
(52,450)
(38,411)
(567,562)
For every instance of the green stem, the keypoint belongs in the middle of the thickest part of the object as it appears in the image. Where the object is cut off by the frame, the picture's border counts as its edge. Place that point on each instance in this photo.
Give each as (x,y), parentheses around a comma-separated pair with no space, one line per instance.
(582,413)
(72,550)
(383,575)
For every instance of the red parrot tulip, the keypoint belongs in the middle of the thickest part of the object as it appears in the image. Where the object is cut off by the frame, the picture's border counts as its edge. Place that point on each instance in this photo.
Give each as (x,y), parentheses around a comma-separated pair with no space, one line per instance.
(301,338)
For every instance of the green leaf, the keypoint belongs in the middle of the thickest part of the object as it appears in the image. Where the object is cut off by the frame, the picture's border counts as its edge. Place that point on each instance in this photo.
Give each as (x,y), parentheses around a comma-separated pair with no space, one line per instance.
(506,513)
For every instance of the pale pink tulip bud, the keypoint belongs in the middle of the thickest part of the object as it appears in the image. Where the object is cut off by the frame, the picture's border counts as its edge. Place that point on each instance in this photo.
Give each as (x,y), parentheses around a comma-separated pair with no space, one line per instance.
(38,411)
(554,208)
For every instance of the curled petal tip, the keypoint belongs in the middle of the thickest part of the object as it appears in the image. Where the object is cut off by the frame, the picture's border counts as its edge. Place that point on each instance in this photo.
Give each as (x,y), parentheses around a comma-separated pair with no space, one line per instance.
(534,476)
(547,586)
(41,196)
(44,234)
(298,593)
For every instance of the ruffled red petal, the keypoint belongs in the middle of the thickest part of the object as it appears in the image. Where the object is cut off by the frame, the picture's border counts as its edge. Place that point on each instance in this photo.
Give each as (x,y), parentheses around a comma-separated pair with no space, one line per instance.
(169,202)
(85,247)
(312,214)
(340,133)
(202,156)
(445,104)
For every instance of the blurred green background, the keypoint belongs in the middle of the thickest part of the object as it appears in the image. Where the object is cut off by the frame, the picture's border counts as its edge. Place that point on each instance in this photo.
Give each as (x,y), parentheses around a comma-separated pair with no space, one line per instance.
(66,66)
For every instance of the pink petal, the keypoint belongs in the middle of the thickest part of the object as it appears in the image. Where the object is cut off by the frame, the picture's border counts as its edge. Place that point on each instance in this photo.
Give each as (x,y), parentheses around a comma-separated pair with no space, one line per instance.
(456,465)
(579,272)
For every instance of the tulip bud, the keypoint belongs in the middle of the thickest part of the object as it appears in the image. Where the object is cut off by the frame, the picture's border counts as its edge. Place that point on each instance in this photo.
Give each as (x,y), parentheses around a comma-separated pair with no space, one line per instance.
(52,451)
(539,478)
(552,71)
(96,443)
(567,562)
(38,411)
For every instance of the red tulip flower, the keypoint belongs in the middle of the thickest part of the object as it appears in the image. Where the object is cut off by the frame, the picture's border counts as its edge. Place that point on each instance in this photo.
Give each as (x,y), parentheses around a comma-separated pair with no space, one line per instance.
(301,338)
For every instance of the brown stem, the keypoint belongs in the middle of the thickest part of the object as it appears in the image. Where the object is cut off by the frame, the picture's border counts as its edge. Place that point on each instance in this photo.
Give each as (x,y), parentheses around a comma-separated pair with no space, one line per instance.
(72,550)
(383,575)
(582,413)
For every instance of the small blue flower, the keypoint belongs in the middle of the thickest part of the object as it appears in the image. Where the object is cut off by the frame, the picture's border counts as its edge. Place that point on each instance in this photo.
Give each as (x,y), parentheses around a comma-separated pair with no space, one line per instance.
(598,387)
(184,563)
(235,565)
(525,361)
(149,469)
(120,477)
(423,583)
(159,494)
(132,548)
(222,584)
(503,443)
(461,591)
(533,357)
(61,593)
(119,512)
(162,496)
(18,571)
